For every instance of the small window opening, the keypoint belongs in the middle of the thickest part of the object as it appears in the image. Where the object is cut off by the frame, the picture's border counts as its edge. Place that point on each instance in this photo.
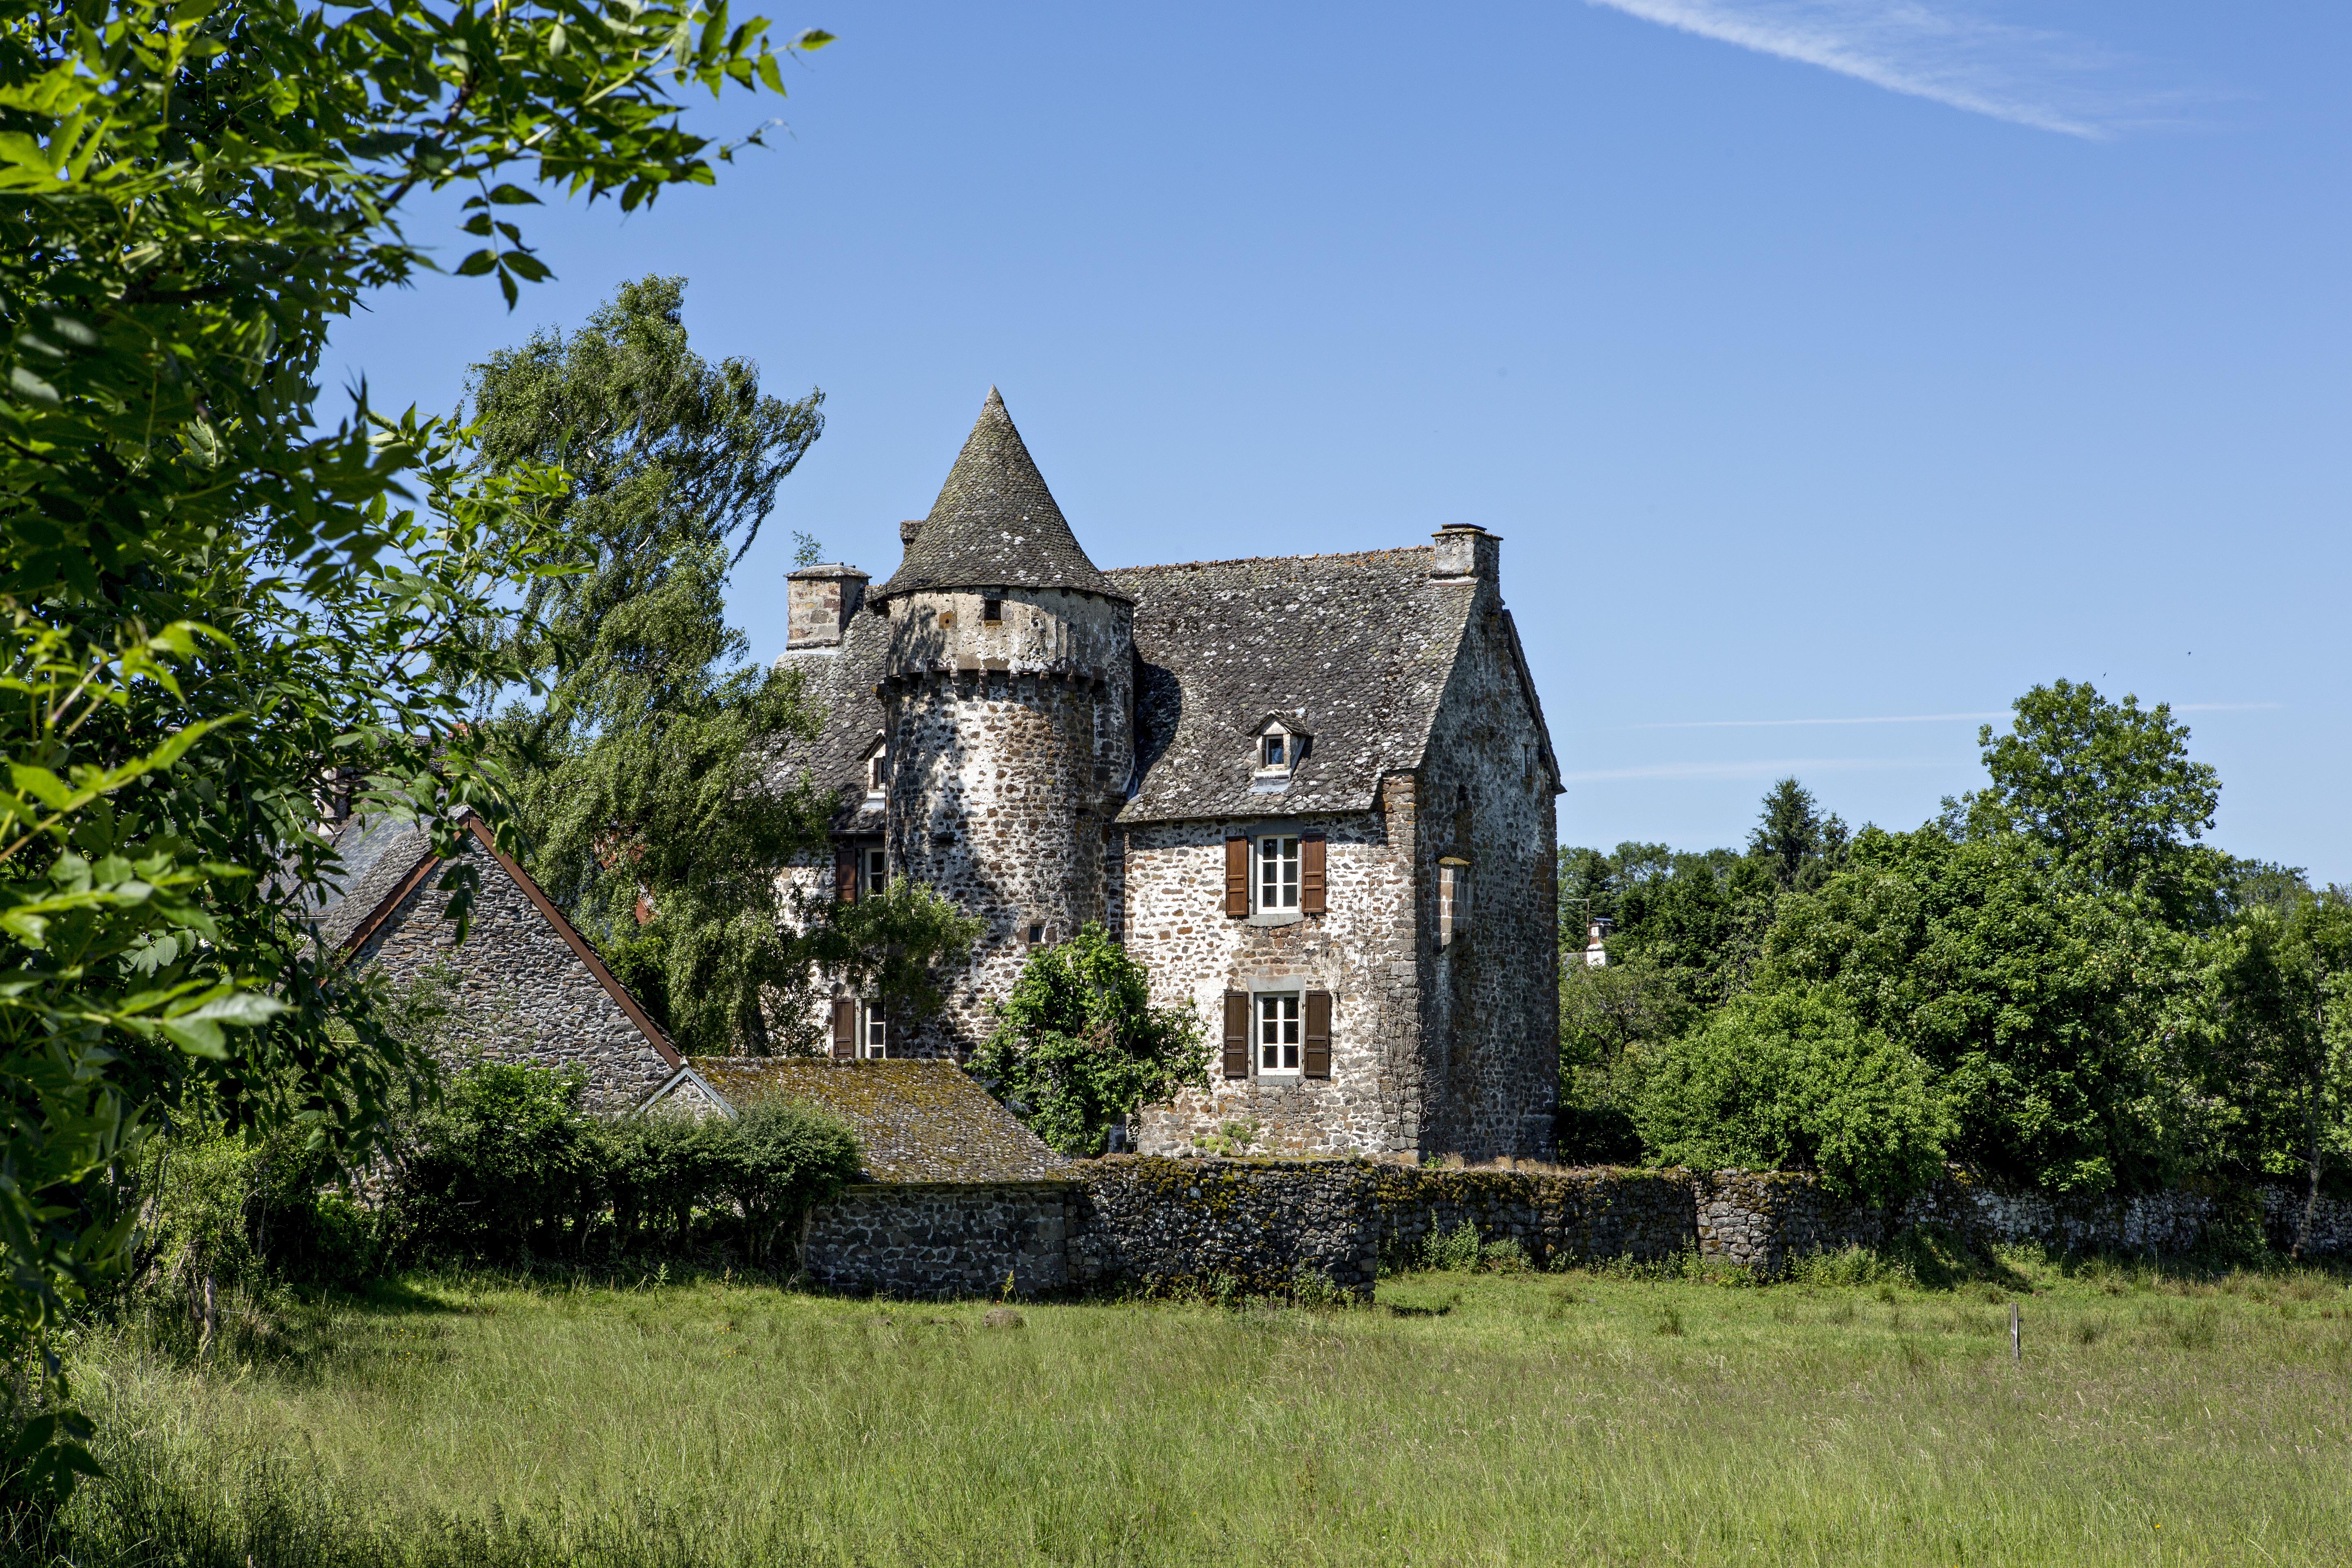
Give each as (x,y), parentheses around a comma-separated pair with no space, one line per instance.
(1036,936)
(1451,887)
(874,1032)
(877,871)
(1271,751)
(1277,1033)
(877,770)
(1278,872)
(991,611)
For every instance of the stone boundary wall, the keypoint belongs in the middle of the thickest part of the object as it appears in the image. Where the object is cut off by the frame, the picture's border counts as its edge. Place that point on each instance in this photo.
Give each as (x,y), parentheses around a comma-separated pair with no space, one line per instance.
(1268,1227)
(948,1239)
(1555,1216)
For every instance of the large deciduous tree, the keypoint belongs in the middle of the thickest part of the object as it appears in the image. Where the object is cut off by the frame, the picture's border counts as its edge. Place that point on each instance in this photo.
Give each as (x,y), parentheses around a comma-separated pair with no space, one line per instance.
(644,773)
(212,601)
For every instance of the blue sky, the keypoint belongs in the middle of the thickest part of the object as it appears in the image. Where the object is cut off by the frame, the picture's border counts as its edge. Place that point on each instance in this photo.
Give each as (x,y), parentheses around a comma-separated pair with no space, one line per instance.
(1834,371)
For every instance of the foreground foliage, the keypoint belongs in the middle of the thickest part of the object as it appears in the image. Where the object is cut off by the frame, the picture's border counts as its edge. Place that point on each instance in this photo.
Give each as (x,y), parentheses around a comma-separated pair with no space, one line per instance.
(1626,1417)
(212,605)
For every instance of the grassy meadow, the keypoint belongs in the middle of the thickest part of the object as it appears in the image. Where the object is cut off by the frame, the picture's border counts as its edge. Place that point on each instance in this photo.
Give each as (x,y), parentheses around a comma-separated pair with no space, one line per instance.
(1467,1419)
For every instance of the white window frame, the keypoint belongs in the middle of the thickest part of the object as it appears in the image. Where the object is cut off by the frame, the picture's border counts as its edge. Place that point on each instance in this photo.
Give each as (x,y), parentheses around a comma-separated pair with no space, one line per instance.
(877,770)
(1277,1029)
(1275,886)
(873,868)
(873,1030)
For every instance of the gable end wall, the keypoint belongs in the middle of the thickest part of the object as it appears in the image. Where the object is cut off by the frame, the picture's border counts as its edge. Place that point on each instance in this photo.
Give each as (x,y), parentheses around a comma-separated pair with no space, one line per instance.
(520,992)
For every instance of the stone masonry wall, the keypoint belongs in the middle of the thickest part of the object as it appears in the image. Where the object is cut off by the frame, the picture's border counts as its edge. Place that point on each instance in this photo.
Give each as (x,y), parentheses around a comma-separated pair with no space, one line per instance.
(1270,1226)
(1010,744)
(945,1240)
(1490,1000)
(1360,950)
(519,991)
(1556,1218)
(1262,1227)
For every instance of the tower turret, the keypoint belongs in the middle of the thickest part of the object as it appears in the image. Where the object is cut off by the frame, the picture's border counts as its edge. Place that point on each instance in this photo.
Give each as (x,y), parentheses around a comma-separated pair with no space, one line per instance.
(1010,708)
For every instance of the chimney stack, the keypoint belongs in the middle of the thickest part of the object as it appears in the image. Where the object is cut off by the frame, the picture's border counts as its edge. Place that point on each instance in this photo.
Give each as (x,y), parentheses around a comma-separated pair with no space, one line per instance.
(821,599)
(1466,550)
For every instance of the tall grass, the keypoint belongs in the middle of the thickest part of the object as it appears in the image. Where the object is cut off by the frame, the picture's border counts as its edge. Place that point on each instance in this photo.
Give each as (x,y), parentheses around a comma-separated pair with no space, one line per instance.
(1473,1417)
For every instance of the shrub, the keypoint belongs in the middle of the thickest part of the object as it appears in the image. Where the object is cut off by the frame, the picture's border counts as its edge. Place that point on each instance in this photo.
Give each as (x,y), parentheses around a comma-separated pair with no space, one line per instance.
(1079,1044)
(1791,1080)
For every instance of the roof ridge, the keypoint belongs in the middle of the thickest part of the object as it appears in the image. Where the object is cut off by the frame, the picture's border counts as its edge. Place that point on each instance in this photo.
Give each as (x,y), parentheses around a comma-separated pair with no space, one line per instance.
(1252,560)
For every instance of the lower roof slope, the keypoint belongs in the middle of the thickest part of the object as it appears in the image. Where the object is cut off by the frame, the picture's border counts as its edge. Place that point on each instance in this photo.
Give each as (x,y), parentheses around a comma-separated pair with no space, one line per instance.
(915,1121)
(1353,650)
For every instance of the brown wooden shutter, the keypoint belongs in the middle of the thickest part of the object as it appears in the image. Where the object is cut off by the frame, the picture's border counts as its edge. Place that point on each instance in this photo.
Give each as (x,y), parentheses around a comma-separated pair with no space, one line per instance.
(1317,1061)
(844,873)
(1310,874)
(845,1030)
(1236,1064)
(1237,879)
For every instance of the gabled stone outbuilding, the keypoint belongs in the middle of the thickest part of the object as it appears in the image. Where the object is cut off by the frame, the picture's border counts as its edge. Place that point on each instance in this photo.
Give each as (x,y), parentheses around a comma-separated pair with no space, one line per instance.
(524,986)
(1314,794)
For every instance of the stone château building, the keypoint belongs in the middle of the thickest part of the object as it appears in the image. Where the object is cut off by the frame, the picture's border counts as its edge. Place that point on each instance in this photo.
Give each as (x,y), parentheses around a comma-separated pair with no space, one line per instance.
(1315,795)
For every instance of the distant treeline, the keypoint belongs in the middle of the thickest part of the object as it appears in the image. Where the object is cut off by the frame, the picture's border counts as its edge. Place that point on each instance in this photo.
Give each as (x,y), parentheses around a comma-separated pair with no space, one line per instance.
(2055,981)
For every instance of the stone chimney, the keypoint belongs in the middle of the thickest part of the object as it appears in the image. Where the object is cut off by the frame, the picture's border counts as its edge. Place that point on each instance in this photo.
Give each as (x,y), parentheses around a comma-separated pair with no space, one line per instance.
(822,599)
(1466,551)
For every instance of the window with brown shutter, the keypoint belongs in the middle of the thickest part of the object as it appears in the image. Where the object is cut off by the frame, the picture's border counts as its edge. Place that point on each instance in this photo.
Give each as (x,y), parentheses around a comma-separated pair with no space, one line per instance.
(1236,878)
(1310,874)
(845,1030)
(1317,1062)
(844,873)
(1237,1021)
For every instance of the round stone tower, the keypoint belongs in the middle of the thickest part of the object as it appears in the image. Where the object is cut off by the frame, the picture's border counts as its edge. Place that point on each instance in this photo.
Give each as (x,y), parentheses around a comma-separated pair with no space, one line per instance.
(1010,719)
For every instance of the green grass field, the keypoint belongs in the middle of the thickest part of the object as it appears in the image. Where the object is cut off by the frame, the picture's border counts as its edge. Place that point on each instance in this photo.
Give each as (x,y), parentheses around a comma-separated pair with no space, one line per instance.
(1468,1418)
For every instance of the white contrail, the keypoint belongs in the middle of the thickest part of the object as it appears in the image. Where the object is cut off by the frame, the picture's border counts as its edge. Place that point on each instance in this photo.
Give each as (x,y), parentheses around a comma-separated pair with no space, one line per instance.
(1781,768)
(1904,45)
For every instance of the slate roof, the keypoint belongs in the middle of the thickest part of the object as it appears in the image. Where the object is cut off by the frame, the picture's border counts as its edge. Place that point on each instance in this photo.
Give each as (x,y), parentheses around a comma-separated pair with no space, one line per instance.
(1353,650)
(915,1121)
(1363,643)
(378,854)
(995,524)
(841,680)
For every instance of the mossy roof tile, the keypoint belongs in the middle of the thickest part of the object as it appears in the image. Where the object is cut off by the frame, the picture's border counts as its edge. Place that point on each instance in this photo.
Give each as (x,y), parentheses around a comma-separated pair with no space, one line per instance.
(915,1121)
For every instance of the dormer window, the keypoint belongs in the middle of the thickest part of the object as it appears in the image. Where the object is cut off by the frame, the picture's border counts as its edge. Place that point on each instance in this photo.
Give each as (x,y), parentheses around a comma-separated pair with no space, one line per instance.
(1281,746)
(877,770)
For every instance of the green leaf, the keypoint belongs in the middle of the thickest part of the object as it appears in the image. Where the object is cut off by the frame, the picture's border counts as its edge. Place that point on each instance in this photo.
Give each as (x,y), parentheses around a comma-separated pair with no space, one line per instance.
(481,261)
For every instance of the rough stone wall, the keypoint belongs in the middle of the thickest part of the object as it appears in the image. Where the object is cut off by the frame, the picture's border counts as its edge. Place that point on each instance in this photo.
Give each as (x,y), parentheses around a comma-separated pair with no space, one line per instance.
(1256,1227)
(1556,1216)
(519,993)
(1360,950)
(945,1240)
(1490,1000)
(1011,746)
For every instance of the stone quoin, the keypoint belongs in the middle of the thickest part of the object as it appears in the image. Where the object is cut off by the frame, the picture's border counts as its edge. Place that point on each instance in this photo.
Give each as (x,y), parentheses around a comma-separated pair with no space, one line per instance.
(1314,794)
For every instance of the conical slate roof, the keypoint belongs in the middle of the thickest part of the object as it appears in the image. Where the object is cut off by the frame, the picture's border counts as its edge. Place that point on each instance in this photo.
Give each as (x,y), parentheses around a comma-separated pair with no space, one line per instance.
(995,524)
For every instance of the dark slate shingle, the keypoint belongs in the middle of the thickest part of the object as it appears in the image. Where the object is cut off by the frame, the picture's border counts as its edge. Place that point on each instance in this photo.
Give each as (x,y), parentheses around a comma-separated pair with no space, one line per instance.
(995,524)
(1354,649)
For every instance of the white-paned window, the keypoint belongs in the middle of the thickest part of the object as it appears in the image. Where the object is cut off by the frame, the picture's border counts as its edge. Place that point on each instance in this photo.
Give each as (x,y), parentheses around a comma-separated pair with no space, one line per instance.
(877,869)
(1277,1033)
(1274,751)
(873,1030)
(1278,872)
